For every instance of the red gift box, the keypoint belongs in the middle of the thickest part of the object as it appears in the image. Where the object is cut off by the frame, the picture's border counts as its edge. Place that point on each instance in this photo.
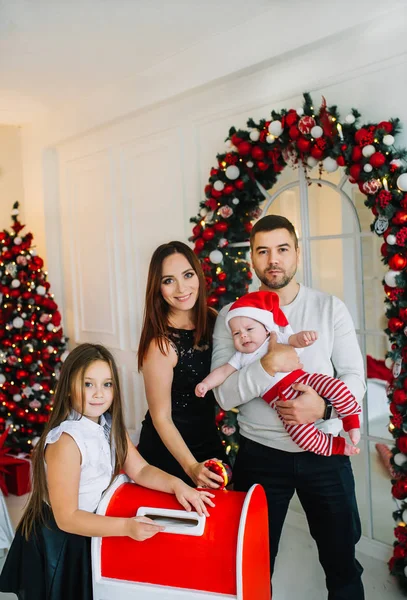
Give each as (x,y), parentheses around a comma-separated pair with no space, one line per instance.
(18,477)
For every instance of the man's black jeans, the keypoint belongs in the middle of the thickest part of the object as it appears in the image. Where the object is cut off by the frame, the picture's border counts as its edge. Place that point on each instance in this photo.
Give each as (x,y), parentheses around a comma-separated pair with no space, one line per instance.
(326,489)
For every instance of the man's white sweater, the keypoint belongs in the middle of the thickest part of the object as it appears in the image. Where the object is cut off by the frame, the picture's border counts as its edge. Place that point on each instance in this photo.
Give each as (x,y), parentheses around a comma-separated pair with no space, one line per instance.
(336,348)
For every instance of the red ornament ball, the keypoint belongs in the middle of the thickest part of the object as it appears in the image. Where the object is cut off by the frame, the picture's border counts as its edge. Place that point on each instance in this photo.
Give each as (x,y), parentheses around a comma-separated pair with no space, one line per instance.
(386,125)
(400,218)
(244,148)
(305,124)
(239,184)
(399,396)
(262,166)
(403,316)
(222,277)
(397,262)
(377,160)
(354,171)
(303,144)
(399,489)
(221,227)
(196,231)
(384,249)
(220,290)
(395,324)
(212,300)
(341,161)
(228,189)
(257,153)
(208,233)
(294,132)
(316,153)
(356,154)
(199,245)
(291,118)
(248,226)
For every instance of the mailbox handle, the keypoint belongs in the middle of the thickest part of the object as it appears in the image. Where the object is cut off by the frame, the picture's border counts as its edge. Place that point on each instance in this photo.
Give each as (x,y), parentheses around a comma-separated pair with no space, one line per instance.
(179,522)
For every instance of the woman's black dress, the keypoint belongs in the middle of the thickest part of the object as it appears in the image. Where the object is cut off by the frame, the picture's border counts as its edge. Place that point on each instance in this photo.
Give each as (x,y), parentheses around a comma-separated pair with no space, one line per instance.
(193,417)
(51,565)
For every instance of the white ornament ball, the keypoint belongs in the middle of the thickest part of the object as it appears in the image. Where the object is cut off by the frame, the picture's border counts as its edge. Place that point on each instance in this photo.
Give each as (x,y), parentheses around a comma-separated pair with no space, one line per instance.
(350,119)
(300,112)
(368,168)
(388,140)
(203,212)
(270,139)
(390,278)
(228,144)
(330,165)
(404,515)
(50,327)
(37,387)
(232,172)
(312,162)
(317,132)
(50,349)
(275,128)
(254,135)
(18,241)
(2,378)
(216,257)
(15,283)
(27,391)
(388,362)
(400,459)
(368,150)
(218,185)
(250,164)
(41,290)
(235,201)
(33,252)
(18,322)
(402,182)
(391,239)
(16,397)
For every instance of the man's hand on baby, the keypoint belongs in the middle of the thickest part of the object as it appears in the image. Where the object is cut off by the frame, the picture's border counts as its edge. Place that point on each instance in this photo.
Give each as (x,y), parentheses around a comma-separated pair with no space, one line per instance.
(201,389)
(306,338)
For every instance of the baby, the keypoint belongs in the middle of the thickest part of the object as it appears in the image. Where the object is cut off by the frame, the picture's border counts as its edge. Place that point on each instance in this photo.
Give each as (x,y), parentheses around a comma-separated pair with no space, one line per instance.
(251,319)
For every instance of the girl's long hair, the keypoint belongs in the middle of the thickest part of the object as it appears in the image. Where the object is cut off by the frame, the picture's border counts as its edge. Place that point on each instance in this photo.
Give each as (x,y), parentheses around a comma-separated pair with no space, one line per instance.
(156,309)
(73,370)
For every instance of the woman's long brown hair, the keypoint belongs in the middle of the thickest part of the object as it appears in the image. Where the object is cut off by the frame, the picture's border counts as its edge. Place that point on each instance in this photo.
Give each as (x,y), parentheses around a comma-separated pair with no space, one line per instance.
(73,368)
(156,309)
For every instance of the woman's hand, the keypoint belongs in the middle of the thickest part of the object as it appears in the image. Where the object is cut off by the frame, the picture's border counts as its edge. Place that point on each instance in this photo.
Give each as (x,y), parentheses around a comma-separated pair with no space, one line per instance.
(203,477)
(142,528)
(190,498)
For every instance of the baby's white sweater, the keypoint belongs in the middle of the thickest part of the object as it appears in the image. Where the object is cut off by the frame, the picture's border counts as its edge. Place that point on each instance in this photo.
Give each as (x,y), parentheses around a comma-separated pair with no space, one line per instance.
(337,342)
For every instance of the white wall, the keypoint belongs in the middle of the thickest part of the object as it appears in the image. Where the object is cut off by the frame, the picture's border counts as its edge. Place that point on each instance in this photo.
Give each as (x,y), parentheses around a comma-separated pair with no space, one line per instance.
(11,173)
(109,196)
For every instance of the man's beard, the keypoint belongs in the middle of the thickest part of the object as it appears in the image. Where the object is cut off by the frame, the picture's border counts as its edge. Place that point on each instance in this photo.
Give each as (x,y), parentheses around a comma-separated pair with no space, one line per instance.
(276,284)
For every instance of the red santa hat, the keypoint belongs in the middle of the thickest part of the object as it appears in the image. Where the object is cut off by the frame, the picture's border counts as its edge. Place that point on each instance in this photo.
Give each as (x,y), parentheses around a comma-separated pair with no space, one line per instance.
(260,306)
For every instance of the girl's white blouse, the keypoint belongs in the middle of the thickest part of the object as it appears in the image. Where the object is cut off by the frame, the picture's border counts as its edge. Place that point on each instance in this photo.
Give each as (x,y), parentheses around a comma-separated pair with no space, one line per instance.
(97,464)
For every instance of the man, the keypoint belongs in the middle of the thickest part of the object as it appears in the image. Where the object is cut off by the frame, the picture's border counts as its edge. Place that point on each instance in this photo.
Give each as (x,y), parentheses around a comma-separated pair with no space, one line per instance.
(267,454)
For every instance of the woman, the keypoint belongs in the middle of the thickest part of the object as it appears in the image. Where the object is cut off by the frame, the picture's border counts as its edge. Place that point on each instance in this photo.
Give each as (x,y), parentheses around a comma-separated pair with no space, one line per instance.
(179,433)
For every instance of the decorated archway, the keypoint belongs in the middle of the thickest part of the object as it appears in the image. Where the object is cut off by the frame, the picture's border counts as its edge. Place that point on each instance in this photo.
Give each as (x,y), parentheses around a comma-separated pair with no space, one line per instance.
(251,164)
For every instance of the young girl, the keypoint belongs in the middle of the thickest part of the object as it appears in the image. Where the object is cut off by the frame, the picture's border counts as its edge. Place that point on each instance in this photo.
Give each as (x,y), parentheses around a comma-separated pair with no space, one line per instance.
(250,319)
(83,448)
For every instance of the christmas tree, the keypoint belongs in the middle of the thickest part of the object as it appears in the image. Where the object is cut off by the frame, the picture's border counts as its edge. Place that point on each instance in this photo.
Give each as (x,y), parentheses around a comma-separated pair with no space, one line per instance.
(32,345)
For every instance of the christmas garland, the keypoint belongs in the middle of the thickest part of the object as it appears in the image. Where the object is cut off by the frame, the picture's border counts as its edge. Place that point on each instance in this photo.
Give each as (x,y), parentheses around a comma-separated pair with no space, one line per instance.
(311,136)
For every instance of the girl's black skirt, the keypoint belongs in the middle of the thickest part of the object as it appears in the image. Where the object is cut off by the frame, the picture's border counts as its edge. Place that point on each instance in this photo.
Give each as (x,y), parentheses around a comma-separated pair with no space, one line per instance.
(51,565)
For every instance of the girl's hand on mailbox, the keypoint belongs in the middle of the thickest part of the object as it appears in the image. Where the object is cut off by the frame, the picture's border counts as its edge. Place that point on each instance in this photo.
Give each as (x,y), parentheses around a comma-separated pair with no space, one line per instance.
(190,498)
(142,528)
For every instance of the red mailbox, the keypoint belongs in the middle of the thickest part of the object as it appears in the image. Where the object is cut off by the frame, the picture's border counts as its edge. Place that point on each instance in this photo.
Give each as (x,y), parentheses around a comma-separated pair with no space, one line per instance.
(196,558)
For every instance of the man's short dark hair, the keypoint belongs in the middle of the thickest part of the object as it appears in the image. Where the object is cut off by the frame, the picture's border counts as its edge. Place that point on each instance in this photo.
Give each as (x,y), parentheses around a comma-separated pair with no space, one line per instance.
(271,222)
